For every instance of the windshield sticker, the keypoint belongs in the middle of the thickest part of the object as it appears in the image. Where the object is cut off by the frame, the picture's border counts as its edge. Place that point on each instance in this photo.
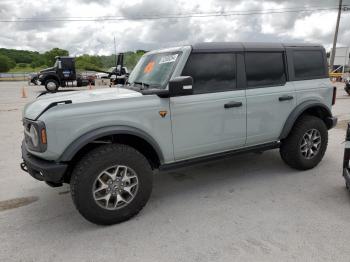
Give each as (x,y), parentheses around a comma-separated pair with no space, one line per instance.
(149,67)
(168,59)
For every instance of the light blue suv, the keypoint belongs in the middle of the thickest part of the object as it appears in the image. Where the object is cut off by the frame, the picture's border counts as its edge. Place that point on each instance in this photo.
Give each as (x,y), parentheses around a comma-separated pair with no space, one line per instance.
(180,106)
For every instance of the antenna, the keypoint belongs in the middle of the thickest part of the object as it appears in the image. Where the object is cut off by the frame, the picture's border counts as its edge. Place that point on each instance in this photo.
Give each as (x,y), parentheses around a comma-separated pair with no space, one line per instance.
(115,52)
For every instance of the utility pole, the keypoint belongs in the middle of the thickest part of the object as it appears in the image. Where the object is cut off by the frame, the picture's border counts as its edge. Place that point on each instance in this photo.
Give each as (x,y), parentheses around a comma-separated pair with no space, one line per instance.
(331,64)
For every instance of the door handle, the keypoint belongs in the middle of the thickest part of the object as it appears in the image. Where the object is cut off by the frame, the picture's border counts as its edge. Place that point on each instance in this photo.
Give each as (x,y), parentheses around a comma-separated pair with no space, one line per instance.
(285,98)
(233,104)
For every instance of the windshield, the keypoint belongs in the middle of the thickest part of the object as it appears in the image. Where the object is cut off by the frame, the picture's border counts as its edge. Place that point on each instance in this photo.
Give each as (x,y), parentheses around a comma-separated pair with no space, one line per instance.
(154,70)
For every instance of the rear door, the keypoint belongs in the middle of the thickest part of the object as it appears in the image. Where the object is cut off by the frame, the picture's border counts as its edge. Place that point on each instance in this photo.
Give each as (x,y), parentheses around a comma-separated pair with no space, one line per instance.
(270,98)
(213,119)
(309,72)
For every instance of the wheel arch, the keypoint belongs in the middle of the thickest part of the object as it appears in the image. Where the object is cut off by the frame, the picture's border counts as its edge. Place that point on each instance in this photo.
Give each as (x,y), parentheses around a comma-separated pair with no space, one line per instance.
(131,136)
(314,108)
(51,77)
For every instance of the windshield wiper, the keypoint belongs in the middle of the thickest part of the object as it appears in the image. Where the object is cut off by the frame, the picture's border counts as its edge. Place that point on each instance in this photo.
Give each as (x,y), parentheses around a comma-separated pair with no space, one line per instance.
(142,84)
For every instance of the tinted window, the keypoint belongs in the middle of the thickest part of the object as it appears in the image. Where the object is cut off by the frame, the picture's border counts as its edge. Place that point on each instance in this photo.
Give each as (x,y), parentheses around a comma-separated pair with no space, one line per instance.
(211,72)
(308,64)
(265,69)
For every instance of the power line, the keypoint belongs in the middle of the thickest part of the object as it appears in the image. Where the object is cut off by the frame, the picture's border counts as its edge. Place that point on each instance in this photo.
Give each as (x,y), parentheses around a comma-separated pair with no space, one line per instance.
(158,17)
(200,13)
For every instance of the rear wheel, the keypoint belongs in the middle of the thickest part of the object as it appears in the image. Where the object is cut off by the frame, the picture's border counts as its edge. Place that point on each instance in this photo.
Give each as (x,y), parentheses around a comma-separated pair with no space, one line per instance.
(51,85)
(79,82)
(111,184)
(306,144)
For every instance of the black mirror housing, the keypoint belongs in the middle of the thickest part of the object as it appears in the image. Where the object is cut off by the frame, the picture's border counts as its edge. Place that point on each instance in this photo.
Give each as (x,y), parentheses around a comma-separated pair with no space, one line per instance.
(181,86)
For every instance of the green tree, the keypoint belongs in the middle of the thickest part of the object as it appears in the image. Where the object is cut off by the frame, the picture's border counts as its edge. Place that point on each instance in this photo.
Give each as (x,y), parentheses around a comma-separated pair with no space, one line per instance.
(5,63)
(50,55)
(88,62)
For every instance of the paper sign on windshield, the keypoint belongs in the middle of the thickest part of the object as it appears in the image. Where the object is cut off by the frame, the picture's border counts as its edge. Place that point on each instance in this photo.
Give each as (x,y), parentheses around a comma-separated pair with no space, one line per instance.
(149,67)
(168,59)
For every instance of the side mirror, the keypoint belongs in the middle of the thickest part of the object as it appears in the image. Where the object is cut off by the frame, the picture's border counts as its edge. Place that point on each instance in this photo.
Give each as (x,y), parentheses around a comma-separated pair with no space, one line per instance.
(181,86)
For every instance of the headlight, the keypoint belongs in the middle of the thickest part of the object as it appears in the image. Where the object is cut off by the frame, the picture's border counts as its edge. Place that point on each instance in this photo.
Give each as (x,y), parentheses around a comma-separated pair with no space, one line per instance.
(34,135)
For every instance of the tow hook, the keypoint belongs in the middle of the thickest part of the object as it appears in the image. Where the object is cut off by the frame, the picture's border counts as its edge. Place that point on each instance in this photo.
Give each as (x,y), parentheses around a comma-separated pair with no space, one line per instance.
(24,167)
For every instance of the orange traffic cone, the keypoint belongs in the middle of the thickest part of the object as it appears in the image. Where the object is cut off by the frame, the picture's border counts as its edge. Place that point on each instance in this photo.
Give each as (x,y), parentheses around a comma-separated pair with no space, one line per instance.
(24,92)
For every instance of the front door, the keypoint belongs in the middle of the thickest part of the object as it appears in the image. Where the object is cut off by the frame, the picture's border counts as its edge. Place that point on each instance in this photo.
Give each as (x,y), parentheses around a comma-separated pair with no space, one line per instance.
(213,119)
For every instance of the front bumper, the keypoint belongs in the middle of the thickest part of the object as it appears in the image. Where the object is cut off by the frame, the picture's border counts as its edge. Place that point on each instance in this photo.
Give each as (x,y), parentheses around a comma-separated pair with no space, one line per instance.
(346,175)
(346,159)
(42,170)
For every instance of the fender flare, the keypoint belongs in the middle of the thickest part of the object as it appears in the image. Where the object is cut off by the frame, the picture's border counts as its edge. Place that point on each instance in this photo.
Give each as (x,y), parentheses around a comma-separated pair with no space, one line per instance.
(293,116)
(89,137)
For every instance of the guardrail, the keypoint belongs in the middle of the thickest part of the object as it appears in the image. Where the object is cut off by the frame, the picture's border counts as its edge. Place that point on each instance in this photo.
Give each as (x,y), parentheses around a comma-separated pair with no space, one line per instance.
(25,76)
(14,76)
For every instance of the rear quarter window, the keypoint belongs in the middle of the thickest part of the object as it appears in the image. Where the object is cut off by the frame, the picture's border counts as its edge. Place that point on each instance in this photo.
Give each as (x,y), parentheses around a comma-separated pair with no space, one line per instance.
(308,64)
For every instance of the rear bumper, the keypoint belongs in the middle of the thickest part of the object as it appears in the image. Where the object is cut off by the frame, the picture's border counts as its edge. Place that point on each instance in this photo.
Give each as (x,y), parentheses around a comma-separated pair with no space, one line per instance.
(42,170)
(331,122)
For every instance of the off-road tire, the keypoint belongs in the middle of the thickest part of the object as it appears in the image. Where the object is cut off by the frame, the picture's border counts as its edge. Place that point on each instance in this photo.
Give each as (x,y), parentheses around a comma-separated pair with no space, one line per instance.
(290,147)
(50,82)
(91,165)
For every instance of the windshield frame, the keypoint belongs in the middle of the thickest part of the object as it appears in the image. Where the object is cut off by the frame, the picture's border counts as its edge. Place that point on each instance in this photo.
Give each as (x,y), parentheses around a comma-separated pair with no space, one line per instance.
(179,52)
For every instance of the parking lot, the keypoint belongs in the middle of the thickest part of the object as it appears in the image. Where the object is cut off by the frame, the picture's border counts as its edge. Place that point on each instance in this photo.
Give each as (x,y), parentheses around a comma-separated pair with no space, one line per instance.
(248,208)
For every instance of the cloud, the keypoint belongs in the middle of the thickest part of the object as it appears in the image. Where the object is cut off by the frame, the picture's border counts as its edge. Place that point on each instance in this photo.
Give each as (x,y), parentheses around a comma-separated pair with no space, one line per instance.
(97,37)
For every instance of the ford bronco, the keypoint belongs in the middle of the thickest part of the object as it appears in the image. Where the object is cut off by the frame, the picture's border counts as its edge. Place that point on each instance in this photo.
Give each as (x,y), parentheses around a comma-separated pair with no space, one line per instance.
(180,106)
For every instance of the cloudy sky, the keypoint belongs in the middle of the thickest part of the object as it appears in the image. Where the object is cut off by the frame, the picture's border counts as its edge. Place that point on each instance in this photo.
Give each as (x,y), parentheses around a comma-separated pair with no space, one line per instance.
(249,20)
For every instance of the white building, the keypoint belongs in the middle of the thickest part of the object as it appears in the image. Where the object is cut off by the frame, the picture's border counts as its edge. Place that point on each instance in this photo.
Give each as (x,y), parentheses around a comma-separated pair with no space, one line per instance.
(342,57)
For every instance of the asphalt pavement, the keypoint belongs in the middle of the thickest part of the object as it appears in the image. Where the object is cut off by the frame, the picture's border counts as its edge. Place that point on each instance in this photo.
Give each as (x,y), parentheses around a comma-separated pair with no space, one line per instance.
(247,208)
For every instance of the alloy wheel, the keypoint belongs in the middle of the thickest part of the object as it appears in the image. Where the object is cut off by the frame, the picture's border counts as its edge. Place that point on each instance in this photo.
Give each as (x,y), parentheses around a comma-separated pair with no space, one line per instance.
(310,143)
(115,187)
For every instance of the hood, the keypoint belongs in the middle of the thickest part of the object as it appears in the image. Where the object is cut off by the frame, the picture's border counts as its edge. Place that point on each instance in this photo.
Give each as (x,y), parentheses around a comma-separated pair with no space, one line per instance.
(35,108)
(47,70)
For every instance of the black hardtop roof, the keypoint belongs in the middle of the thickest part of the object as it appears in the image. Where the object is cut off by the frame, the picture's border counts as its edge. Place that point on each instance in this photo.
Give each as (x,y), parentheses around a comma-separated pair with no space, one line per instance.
(249,46)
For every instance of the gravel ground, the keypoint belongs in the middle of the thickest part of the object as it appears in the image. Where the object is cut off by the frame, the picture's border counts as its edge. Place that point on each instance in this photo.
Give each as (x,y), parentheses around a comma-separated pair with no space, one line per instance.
(247,208)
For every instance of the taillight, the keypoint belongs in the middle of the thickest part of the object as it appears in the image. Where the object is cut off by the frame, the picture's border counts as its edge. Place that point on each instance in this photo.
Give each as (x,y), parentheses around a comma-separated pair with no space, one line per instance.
(334,95)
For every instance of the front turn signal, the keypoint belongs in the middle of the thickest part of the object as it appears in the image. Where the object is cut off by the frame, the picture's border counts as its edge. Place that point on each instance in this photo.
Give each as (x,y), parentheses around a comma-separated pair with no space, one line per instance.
(43,136)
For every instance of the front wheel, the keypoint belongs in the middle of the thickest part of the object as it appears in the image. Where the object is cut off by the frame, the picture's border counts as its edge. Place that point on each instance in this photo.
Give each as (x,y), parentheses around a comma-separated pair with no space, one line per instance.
(111,184)
(306,144)
(347,89)
(51,85)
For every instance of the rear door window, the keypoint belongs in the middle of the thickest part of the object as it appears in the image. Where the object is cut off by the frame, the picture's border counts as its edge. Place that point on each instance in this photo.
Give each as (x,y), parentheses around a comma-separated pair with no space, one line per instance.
(308,64)
(211,72)
(265,69)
